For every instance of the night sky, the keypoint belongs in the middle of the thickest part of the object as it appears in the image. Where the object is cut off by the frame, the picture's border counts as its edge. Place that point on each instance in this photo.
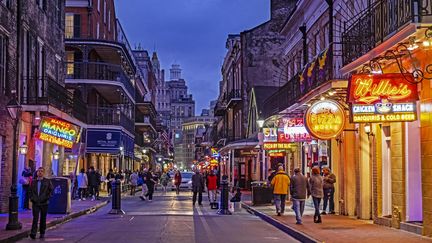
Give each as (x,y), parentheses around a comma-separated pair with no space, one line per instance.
(191,33)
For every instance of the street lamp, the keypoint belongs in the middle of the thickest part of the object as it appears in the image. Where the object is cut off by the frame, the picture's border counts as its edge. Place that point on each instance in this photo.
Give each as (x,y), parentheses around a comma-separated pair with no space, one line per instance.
(23,149)
(56,155)
(14,110)
(260,123)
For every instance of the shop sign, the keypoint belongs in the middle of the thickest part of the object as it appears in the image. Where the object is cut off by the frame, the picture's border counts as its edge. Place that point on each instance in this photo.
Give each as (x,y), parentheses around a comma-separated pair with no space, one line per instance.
(275,146)
(248,152)
(103,141)
(325,119)
(277,154)
(270,134)
(382,98)
(215,153)
(58,132)
(292,130)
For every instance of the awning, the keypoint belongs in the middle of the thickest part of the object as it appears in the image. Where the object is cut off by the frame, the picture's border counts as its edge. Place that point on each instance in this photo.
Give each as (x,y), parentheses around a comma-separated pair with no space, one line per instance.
(240,144)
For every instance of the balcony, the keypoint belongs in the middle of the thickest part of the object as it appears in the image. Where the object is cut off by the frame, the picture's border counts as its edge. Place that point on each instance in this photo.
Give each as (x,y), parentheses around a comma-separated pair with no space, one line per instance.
(286,96)
(234,96)
(379,22)
(44,91)
(144,122)
(113,116)
(220,108)
(99,73)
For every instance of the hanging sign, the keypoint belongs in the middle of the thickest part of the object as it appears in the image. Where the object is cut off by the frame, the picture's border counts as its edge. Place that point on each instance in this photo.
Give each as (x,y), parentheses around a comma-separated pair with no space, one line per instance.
(292,130)
(58,132)
(382,98)
(270,134)
(278,146)
(325,119)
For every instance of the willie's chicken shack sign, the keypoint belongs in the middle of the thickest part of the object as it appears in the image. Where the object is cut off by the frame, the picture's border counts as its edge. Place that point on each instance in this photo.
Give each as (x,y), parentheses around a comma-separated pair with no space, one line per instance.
(382,98)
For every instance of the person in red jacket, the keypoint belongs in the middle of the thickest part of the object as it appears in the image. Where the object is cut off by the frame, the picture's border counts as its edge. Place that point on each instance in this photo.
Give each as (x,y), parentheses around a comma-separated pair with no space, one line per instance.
(212,186)
(177,181)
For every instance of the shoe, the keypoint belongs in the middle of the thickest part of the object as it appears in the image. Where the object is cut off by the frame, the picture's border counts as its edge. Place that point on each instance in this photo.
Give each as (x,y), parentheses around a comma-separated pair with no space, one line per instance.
(332,212)
(142,198)
(299,223)
(323,213)
(79,200)
(84,199)
(32,236)
(278,214)
(42,236)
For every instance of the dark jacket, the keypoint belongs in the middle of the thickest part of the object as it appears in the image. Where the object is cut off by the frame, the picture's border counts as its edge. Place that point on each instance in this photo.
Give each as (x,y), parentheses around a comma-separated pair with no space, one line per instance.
(197,183)
(94,179)
(316,186)
(299,188)
(329,181)
(45,193)
(149,180)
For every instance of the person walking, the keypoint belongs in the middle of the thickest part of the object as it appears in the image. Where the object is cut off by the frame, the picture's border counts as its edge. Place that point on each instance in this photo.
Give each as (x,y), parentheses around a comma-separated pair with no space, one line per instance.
(299,191)
(82,184)
(109,179)
(177,181)
(316,189)
(25,181)
(280,184)
(144,188)
(329,180)
(93,182)
(151,182)
(164,181)
(197,187)
(133,180)
(212,186)
(40,192)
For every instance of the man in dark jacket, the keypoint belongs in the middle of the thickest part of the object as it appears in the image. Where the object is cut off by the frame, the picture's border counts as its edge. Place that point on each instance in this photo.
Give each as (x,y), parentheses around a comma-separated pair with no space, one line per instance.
(329,179)
(299,190)
(40,193)
(197,187)
(94,182)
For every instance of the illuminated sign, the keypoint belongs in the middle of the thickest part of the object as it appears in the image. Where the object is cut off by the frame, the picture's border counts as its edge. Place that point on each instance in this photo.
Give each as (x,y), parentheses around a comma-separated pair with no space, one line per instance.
(292,130)
(277,154)
(214,152)
(382,98)
(270,134)
(325,119)
(273,146)
(58,132)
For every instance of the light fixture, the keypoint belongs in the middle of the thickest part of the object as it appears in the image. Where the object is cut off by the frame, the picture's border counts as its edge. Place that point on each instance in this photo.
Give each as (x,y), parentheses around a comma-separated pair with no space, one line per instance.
(23,149)
(159,159)
(322,98)
(121,148)
(144,151)
(37,115)
(13,108)
(331,93)
(56,155)
(412,44)
(314,146)
(376,71)
(260,123)
(368,129)
(306,147)
(428,35)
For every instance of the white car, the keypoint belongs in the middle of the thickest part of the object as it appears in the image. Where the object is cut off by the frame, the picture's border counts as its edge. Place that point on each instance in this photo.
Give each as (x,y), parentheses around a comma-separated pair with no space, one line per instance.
(186,181)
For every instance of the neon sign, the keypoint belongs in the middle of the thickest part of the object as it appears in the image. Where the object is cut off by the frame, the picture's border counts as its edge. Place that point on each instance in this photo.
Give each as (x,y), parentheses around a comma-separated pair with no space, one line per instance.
(325,119)
(270,134)
(382,98)
(273,146)
(58,132)
(292,130)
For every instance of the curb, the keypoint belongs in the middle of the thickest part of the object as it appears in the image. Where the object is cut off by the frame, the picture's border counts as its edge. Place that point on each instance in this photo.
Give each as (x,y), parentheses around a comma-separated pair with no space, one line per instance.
(25,233)
(302,237)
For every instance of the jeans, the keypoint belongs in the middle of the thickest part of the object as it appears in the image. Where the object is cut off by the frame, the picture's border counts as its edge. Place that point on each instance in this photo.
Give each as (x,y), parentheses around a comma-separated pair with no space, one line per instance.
(279,200)
(316,202)
(144,190)
(194,197)
(150,188)
(36,210)
(81,193)
(298,207)
(329,196)
(26,199)
(212,195)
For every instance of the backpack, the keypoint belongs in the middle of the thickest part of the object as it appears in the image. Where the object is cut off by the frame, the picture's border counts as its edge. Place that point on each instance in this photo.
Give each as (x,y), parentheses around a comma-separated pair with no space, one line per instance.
(140,181)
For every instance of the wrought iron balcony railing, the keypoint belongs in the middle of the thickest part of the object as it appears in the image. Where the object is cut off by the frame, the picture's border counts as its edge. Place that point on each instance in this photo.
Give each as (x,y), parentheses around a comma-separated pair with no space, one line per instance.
(286,96)
(109,116)
(46,91)
(233,95)
(99,71)
(145,120)
(380,21)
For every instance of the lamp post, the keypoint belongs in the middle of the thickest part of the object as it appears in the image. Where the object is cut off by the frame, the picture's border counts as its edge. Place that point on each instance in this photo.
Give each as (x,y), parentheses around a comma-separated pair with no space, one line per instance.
(260,123)
(14,109)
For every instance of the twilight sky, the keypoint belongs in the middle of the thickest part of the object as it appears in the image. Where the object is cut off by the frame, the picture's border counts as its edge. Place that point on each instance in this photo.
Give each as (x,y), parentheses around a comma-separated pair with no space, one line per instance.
(191,33)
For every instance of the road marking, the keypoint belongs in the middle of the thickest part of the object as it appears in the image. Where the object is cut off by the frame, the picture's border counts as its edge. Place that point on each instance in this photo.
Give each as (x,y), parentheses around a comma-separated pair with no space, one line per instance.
(131,218)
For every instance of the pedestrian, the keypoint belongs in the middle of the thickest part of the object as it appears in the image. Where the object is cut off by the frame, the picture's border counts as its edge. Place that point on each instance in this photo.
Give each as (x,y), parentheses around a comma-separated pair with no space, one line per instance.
(212,186)
(82,185)
(144,188)
(25,181)
(93,182)
(98,183)
(40,192)
(280,184)
(299,191)
(197,187)
(73,185)
(177,181)
(329,180)
(271,174)
(151,182)
(164,181)
(109,179)
(316,189)
(133,179)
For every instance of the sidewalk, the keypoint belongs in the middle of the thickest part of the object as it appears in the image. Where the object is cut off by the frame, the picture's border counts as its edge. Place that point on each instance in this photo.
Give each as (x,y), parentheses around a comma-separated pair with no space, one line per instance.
(335,228)
(78,208)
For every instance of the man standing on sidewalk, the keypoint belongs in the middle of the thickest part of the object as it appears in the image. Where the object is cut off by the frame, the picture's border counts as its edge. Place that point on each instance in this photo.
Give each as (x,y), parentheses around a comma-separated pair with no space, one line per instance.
(280,183)
(299,192)
(197,187)
(40,192)
(329,179)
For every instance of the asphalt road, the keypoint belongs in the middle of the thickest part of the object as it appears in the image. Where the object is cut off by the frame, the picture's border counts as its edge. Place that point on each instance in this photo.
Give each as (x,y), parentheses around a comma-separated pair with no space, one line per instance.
(168,218)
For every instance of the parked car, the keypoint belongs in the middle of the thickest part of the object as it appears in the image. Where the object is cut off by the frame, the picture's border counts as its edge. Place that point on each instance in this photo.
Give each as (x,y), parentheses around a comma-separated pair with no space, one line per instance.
(186,181)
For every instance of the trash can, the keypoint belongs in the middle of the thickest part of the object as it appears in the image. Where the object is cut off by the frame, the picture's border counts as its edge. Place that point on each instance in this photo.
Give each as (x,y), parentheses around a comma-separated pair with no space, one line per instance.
(261,194)
(60,201)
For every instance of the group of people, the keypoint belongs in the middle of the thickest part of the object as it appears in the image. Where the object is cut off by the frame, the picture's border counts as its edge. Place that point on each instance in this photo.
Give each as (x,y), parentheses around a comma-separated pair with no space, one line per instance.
(199,182)
(300,188)
(86,184)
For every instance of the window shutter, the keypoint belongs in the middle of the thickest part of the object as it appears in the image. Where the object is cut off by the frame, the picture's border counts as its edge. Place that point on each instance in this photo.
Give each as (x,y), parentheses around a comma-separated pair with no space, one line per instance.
(77,26)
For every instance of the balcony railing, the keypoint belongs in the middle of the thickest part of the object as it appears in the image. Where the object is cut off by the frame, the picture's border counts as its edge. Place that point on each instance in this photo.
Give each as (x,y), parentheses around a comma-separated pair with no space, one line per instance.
(286,96)
(233,95)
(99,71)
(45,91)
(109,116)
(379,22)
(146,120)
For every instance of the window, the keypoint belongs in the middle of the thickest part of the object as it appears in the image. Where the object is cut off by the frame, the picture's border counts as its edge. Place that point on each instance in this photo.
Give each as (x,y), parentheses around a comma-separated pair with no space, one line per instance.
(6,2)
(109,20)
(97,31)
(3,56)
(69,26)
(70,63)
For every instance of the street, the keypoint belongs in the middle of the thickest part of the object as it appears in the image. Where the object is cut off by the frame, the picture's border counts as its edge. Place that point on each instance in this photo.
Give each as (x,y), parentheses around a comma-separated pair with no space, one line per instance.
(168,218)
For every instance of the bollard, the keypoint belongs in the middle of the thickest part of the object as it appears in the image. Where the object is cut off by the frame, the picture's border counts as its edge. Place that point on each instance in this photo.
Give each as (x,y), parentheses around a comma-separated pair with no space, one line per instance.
(116,198)
(223,209)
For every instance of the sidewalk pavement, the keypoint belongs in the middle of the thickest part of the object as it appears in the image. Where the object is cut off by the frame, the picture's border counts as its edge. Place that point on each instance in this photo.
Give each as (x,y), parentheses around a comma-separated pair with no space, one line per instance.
(78,208)
(334,228)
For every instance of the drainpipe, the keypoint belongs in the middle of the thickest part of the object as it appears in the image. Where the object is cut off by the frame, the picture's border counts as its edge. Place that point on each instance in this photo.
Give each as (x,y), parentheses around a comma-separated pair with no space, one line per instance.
(330,3)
